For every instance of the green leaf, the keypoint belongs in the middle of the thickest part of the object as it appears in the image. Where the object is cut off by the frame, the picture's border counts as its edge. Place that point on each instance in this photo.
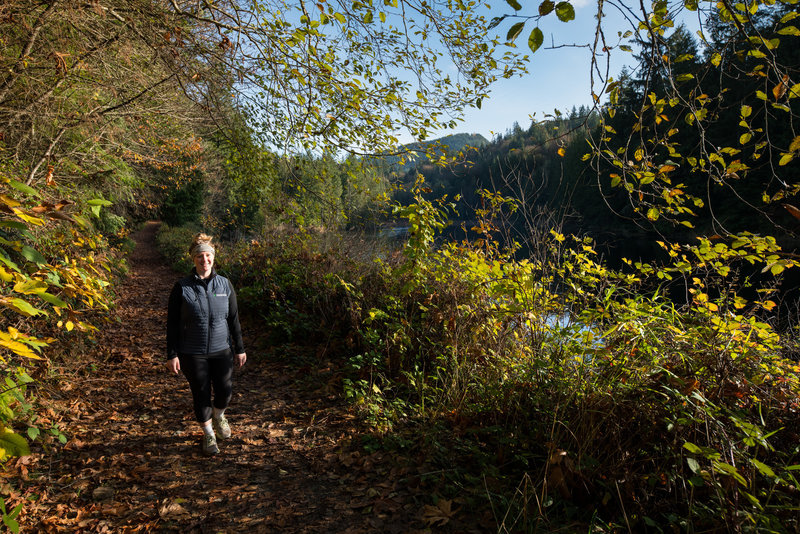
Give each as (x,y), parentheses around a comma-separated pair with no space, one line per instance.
(11,524)
(495,22)
(546,7)
(653,214)
(82,221)
(52,299)
(514,4)
(12,444)
(789,30)
(19,186)
(97,203)
(731,471)
(22,307)
(565,12)
(16,225)
(691,447)
(535,39)
(764,469)
(514,31)
(32,255)
(693,464)
(5,259)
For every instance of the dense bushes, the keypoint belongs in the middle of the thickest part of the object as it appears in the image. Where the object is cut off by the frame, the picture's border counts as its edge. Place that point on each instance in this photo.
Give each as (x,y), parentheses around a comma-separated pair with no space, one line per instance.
(578,393)
(56,271)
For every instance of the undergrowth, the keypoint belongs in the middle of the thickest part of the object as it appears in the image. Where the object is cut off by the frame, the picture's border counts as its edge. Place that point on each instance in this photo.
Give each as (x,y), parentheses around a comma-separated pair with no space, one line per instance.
(56,288)
(552,391)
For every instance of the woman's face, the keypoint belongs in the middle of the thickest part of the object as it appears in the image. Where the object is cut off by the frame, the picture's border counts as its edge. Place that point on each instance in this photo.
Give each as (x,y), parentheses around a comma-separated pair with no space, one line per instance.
(203,262)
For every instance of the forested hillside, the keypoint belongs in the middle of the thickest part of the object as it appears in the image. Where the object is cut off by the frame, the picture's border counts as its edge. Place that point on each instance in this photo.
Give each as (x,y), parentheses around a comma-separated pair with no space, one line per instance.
(493,365)
(414,154)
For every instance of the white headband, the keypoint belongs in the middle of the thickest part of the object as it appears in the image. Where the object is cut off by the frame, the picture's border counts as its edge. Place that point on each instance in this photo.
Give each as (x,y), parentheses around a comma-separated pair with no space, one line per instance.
(202,247)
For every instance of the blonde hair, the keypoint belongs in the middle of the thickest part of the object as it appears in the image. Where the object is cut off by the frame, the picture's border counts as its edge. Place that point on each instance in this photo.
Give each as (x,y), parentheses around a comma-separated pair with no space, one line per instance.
(201,240)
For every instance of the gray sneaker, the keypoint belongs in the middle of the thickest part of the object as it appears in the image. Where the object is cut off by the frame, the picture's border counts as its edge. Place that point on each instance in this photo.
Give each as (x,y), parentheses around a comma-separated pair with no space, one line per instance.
(221,427)
(210,444)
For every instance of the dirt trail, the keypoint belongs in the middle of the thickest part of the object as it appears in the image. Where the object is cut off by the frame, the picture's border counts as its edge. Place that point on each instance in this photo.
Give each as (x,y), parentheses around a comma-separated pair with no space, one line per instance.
(133,463)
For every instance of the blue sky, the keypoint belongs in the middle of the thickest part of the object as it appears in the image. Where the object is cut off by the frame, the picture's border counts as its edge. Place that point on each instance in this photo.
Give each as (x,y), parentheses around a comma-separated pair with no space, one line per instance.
(558,78)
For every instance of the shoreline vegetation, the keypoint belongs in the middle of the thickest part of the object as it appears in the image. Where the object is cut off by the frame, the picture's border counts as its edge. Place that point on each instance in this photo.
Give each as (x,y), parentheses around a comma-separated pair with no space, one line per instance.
(631,414)
(664,399)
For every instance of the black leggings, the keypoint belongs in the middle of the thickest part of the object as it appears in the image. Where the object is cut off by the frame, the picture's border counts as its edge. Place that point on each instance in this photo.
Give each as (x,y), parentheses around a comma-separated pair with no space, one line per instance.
(202,373)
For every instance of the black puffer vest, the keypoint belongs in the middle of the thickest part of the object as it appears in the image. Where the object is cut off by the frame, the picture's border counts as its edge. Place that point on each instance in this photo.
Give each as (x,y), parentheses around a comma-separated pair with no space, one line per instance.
(204,314)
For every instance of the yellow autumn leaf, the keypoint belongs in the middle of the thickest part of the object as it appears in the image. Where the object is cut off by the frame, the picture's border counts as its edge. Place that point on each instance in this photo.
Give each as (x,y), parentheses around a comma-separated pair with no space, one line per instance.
(18,348)
(27,218)
(30,286)
(12,444)
(9,341)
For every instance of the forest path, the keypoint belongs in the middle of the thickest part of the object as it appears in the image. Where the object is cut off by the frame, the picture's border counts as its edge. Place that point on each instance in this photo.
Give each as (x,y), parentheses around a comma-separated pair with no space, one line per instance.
(133,463)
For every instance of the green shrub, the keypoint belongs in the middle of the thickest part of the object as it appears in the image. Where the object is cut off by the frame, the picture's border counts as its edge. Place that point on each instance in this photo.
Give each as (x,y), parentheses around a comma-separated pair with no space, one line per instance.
(174,241)
(568,384)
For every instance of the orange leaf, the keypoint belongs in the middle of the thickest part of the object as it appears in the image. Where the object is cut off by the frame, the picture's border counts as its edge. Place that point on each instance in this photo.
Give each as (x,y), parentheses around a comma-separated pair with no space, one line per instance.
(794,211)
(779,90)
(49,178)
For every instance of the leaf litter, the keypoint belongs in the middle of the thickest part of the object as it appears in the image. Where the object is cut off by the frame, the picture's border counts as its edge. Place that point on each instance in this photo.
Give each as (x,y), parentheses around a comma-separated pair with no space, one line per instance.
(132,461)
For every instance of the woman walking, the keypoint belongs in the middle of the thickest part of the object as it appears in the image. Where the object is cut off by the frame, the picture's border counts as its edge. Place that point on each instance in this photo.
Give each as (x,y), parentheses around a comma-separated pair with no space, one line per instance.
(203,340)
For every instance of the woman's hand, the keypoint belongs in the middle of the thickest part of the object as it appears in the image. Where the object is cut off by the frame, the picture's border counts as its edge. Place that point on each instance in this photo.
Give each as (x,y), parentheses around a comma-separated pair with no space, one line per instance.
(240,359)
(174,365)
